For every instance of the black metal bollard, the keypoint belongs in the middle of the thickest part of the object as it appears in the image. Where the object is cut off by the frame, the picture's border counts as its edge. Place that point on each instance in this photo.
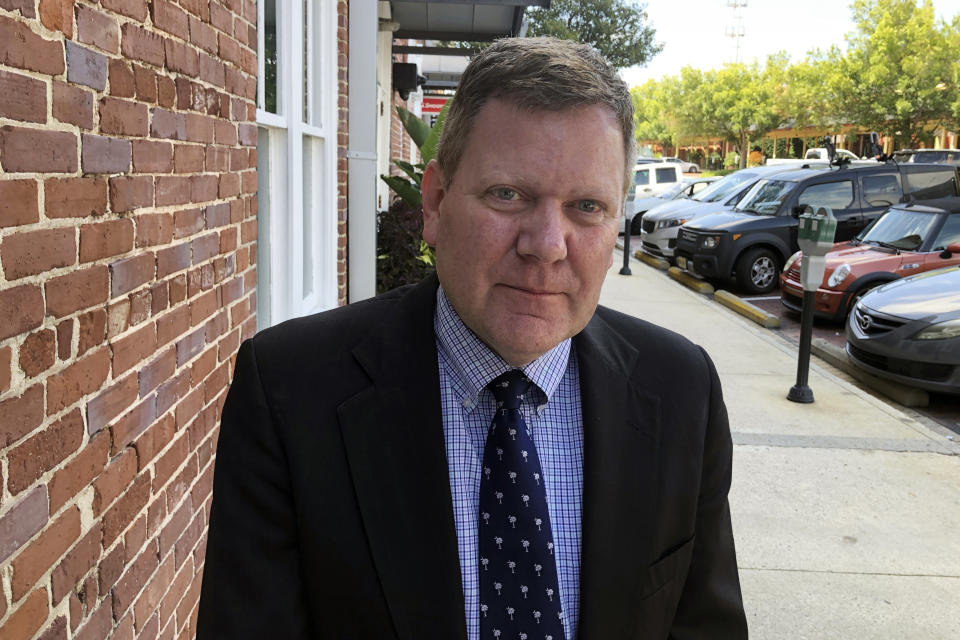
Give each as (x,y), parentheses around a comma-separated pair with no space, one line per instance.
(801,392)
(625,269)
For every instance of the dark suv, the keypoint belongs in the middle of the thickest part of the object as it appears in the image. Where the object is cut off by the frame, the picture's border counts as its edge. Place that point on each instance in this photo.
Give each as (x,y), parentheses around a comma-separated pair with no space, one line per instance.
(751,242)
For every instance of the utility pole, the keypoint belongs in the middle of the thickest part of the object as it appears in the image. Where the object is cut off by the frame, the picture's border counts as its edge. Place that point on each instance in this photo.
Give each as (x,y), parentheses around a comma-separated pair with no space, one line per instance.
(735,29)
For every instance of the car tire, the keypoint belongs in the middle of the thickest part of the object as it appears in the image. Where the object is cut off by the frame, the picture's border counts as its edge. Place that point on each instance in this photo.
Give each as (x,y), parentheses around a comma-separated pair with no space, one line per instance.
(694,169)
(758,270)
(636,224)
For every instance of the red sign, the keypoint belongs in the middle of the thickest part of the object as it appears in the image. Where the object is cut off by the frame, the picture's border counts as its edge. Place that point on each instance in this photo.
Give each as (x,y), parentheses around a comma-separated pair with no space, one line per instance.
(433,105)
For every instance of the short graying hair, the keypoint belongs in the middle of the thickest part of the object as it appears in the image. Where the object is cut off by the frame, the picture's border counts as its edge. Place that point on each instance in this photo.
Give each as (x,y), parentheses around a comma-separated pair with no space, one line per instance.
(536,74)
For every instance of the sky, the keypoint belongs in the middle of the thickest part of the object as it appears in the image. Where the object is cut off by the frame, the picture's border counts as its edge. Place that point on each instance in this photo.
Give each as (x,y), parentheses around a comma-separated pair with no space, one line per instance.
(693,31)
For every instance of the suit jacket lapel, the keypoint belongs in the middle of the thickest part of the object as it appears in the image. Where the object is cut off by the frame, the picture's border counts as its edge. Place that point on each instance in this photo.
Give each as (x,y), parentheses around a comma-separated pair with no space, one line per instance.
(393,433)
(621,437)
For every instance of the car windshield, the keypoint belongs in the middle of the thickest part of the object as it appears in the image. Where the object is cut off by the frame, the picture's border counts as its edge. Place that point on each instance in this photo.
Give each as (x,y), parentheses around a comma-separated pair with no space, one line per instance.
(720,189)
(765,197)
(674,191)
(899,229)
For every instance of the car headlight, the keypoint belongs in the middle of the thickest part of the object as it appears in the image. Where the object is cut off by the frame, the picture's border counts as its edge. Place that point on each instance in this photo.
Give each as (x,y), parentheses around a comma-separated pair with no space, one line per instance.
(666,224)
(793,259)
(940,331)
(839,275)
(710,242)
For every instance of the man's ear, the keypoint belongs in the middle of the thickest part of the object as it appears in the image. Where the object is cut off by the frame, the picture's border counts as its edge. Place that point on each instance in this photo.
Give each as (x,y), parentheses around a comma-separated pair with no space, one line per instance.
(431,187)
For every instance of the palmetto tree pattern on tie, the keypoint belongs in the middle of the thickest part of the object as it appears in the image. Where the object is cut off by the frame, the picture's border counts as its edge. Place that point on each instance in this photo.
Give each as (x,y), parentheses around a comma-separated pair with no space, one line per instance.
(518,571)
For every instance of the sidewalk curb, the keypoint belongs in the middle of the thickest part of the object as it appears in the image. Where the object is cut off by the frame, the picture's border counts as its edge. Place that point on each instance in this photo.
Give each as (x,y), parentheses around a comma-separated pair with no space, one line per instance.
(653,261)
(837,356)
(689,281)
(749,311)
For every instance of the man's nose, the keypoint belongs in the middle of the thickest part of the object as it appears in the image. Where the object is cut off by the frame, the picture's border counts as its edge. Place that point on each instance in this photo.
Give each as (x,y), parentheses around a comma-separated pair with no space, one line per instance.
(543,233)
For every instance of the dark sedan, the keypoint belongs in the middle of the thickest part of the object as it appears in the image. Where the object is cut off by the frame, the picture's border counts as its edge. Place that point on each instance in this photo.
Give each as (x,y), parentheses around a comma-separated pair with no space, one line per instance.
(909,331)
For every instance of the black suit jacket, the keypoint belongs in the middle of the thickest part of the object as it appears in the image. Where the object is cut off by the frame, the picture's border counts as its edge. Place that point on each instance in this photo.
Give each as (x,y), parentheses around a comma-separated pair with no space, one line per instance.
(332,518)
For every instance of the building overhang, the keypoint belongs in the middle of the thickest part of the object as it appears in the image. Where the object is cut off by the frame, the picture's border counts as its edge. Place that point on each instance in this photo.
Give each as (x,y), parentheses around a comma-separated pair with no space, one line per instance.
(460,20)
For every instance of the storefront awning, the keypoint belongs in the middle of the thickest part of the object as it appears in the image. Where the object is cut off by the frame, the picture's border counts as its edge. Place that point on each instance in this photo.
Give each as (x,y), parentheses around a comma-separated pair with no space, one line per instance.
(469,20)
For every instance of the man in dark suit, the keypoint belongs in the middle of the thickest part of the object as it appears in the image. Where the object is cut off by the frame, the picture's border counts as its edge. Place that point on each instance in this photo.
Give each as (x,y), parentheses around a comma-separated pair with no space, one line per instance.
(361,490)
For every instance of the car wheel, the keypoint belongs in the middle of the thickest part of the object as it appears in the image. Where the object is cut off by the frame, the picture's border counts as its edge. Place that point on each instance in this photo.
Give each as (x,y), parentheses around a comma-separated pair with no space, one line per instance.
(757,270)
(636,224)
(693,169)
(855,297)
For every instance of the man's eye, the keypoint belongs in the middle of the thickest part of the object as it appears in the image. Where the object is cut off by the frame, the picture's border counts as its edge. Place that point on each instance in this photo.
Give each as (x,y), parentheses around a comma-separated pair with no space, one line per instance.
(505,193)
(589,206)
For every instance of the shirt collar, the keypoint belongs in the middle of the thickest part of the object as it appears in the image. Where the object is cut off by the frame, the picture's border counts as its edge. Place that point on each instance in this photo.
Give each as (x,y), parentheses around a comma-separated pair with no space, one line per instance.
(476,364)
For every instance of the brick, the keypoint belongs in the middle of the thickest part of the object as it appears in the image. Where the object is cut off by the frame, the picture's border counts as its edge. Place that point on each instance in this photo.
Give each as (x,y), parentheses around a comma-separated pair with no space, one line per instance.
(75,197)
(110,402)
(98,29)
(160,369)
(18,202)
(205,247)
(123,117)
(189,346)
(248,134)
(25,621)
(44,451)
(38,352)
(134,578)
(173,259)
(79,379)
(80,471)
(132,349)
(21,309)
(57,15)
(170,18)
(140,44)
(166,92)
(146,83)
(56,630)
(26,9)
(22,98)
(37,150)
(173,190)
(65,339)
(175,526)
(172,325)
(203,188)
(105,155)
(188,158)
(182,58)
(154,229)
(136,9)
(86,66)
(191,535)
(152,157)
(118,317)
(229,185)
(6,358)
(111,567)
(199,128)
(221,18)
(130,273)
(40,555)
(93,330)
(75,564)
(178,289)
(170,392)
(140,304)
(149,600)
(167,124)
(129,193)
(21,415)
(105,239)
(180,584)
(187,222)
(116,477)
(72,105)
(124,510)
(76,290)
(121,79)
(22,521)
(21,47)
(100,622)
(217,215)
(30,253)
(203,36)
(160,297)
(225,133)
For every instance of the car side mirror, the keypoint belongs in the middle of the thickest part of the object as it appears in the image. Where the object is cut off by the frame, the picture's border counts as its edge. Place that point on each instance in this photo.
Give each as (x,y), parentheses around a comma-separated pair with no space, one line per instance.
(950,250)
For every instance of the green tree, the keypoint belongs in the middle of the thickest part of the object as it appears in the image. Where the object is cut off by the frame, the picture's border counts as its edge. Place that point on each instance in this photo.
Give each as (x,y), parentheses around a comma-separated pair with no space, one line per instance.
(651,112)
(618,29)
(899,74)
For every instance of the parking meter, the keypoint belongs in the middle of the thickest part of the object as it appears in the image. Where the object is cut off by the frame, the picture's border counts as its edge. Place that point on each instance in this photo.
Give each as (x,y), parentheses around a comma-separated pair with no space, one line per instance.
(627,223)
(815,236)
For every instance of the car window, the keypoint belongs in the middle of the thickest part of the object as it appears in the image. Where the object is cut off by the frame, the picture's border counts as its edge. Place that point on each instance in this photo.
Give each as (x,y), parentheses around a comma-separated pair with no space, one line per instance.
(881,190)
(699,186)
(724,186)
(641,177)
(675,191)
(811,154)
(949,234)
(924,185)
(765,197)
(666,174)
(900,229)
(836,195)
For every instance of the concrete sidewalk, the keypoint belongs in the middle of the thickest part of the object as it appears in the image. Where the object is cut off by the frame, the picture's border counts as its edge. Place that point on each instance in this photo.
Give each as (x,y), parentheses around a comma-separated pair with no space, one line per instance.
(846,511)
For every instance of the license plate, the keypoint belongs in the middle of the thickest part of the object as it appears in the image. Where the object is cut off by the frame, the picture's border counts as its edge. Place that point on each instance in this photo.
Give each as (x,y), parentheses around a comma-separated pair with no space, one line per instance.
(682,262)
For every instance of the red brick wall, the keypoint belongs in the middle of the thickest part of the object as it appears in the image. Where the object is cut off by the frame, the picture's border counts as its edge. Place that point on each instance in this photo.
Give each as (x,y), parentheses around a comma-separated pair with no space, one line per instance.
(343,121)
(127,281)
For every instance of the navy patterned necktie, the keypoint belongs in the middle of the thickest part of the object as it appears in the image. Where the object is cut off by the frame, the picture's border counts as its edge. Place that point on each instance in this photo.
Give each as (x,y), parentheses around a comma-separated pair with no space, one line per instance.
(519,590)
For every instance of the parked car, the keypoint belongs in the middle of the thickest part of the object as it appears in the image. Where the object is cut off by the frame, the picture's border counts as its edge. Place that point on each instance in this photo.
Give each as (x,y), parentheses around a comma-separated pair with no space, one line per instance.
(946,156)
(751,242)
(817,153)
(679,191)
(659,227)
(688,167)
(651,178)
(910,238)
(909,331)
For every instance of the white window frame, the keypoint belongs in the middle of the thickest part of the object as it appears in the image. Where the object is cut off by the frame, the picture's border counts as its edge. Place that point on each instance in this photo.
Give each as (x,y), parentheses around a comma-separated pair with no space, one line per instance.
(282,281)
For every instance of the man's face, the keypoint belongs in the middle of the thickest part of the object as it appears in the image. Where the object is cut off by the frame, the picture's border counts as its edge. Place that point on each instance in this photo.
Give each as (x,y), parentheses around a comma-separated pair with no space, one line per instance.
(524,233)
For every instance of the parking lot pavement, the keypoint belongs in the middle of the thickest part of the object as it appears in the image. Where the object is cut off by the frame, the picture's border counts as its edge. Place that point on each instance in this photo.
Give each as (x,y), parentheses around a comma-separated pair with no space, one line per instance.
(845,510)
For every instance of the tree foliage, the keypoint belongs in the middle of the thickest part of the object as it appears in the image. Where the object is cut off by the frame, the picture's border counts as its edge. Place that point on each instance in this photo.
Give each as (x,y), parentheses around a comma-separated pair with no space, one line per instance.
(618,29)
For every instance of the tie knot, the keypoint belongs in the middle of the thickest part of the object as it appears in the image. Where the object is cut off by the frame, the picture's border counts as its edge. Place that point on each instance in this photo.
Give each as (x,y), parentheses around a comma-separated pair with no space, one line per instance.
(508,388)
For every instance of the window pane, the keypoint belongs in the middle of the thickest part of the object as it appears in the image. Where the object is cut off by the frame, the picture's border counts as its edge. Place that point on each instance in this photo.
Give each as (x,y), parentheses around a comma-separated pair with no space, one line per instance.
(309,179)
(836,195)
(263,227)
(949,234)
(270,56)
(938,183)
(881,191)
(666,175)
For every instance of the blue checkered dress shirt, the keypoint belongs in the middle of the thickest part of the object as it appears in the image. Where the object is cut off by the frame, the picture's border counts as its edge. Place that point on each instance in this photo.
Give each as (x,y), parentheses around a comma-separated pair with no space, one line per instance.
(555,417)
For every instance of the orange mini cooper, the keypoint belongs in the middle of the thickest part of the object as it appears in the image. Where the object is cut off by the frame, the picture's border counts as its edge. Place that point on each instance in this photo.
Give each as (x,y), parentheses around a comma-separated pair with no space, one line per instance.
(909,238)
